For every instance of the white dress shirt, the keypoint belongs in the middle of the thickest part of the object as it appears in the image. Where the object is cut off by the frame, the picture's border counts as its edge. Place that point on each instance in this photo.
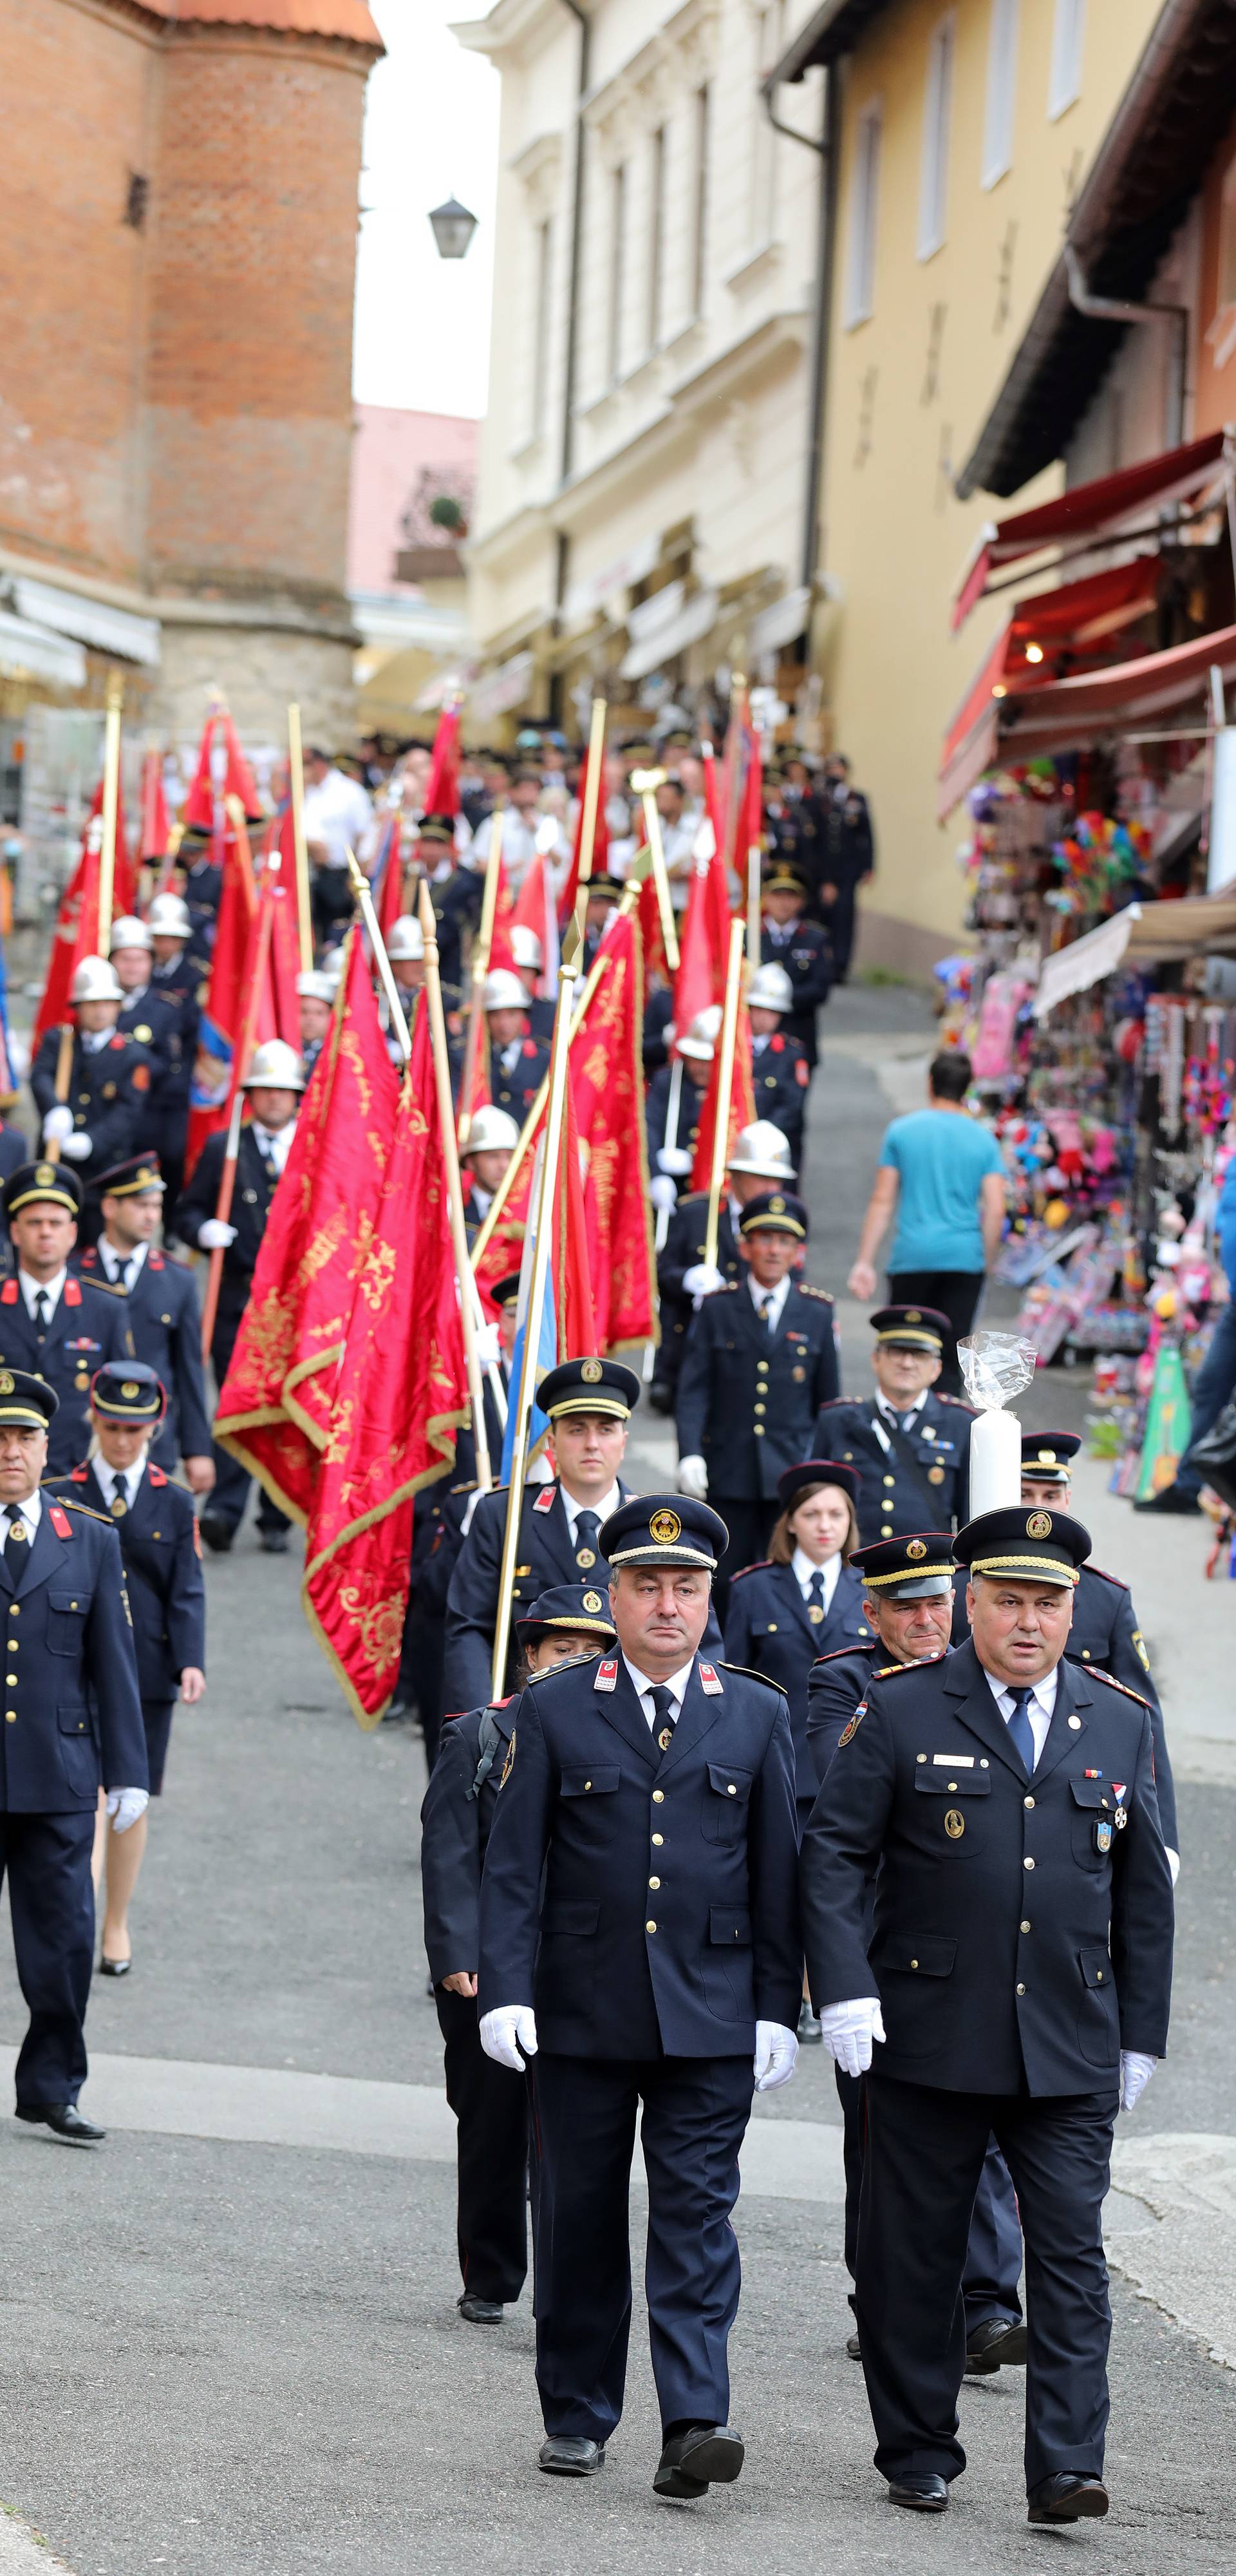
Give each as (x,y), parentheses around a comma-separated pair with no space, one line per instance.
(275,1145)
(805,1573)
(95,1039)
(675,1684)
(768,1302)
(108,1478)
(609,1503)
(896,1413)
(49,1288)
(1039,1707)
(518,844)
(120,1267)
(339,815)
(31,1512)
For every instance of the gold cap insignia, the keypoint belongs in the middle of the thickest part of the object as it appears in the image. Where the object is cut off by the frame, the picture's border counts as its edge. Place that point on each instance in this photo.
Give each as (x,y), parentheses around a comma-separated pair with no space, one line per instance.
(6,1384)
(776,1205)
(1039,1525)
(45,1176)
(591,1372)
(1047,1457)
(130,1390)
(665,1527)
(144,1176)
(912,1315)
(916,1548)
(592,1603)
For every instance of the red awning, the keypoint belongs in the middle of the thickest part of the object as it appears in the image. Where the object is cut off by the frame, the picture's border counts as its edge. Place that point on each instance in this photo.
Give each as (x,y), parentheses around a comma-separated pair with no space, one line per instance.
(1055,629)
(1093,509)
(1069,714)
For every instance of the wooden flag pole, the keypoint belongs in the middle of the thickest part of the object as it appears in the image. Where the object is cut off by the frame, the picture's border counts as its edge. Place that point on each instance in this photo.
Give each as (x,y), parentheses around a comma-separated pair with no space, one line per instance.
(111,810)
(64,1076)
(592,806)
(364,902)
(646,782)
(673,1112)
(753,906)
(725,1084)
(240,1068)
(296,783)
(479,970)
(454,1192)
(532,1321)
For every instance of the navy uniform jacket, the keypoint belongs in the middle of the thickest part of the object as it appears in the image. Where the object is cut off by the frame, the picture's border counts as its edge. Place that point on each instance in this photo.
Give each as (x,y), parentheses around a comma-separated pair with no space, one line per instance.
(166,1324)
(1105,1634)
(161,1554)
(891,1499)
(835,1686)
(109,1095)
(656,1111)
(780,1078)
(14,1151)
(251,1198)
(658,1016)
(437,1526)
(516,1091)
(682,1250)
(72,1717)
(89,1325)
(768,1630)
(456,1818)
(545,1556)
(807,957)
(644,1901)
(747,1404)
(1022,1935)
(154,1021)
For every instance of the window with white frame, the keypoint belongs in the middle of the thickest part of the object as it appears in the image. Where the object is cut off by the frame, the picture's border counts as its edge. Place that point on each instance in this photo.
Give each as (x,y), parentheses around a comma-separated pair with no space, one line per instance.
(656,233)
(1067,46)
(864,212)
(937,116)
(617,268)
(1001,107)
(544,255)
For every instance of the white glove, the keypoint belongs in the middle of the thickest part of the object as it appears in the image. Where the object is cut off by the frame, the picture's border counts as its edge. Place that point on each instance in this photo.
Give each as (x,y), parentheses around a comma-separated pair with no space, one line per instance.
(848,2031)
(216,1234)
(675,1159)
(488,1346)
(776,2055)
(1135,2074)
(124,1806)
(77,1146)
(58,1124)
(703,1279)
(662,1192)
(693,1479)
(1173,1862)
(507,2030)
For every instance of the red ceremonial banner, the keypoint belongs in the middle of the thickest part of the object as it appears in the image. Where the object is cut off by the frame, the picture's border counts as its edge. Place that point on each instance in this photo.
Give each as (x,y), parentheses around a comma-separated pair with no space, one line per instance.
(222,771)
(607,1087)
(742,1102)
(76,934)
(442,784)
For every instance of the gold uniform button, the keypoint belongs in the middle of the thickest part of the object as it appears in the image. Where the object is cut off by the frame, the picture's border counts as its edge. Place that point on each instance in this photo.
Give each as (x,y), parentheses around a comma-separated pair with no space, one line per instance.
(11,1679)
(587,1784)
(658,1797)
(1027,1802)
(1098,1977)
(1085,1654)
(890,1480)
(914,1963)
(731,1791)
(759,1430)
(1027,1864)
(1023,1927)
(761,1408)
(654,1882)
(1021,1990)
(922,1757)
(658,1839)
(650,1927)
(952,1784)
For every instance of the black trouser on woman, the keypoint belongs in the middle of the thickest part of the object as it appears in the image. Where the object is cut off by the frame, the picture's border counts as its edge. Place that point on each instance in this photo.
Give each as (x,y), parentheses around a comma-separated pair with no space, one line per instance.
(490,2104)
(954,1293)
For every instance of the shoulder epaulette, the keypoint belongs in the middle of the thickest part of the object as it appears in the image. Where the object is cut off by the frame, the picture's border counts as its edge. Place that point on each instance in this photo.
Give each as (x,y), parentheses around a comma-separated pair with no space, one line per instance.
(761,1567)
(841,1654)
(749,1676)
(887,1671)
(960,1403)
(831,1400)
(821,1296)
(1098,1675)
(71,1504)
(1105,1577)
(469,1488)
(105,1287)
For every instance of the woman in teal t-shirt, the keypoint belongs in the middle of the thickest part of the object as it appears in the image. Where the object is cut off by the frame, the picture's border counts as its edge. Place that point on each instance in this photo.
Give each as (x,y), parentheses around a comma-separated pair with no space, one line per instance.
(941,1176)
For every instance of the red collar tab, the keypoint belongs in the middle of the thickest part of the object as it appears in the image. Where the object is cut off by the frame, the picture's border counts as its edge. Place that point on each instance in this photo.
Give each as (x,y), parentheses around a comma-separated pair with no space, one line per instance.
(156,1475)
(155,1261)
(118,1041)
(711,1682)
(79,1475)
(88,1260)
(545,1499)
(60,1521)
(72,1292)
(531,1047)
(607,1676)
(9,1293)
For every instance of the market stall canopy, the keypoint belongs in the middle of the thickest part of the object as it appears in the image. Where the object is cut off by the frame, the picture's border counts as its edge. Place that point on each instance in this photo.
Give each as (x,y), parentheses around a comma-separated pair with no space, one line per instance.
(1053,628)
(1069,715)
(1100,511)
(1144,934)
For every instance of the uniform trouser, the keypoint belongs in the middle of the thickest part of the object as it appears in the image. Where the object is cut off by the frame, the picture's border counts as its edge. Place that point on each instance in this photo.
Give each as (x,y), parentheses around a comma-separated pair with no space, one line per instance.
(1215,1381)
(924,2155)
(232,1481)
(51,1902)
(490,2104)
(584,2112)
(990,2282)
(750,1523)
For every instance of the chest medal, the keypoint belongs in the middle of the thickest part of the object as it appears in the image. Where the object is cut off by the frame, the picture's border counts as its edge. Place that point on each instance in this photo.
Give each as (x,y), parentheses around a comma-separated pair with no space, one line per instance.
(954,1824)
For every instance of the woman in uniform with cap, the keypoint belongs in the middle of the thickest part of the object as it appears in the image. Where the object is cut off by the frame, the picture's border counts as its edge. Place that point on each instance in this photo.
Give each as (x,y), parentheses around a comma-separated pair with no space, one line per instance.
(155,1523)
(489,2101)
(804,1601)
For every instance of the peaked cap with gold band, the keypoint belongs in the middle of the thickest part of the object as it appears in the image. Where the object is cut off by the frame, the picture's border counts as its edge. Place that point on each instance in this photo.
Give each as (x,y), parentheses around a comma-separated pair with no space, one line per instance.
(567,1605)
(808,1477)
(911,1328)
(128,1391)
(774,1212)
(589,1386)
(1048,1456)
(28,1402)
(52,1181)
(1025,1544)
(914,1568)
(664,1529)
(128,1180)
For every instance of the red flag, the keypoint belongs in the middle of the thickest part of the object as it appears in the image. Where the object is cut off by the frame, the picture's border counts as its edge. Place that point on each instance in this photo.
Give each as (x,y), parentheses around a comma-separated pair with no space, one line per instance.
(276,1401)
(232,967)
(75,936)
(222,771)
(607,1086)
(600,844)
(741,1107)
(570,1253)
(442,784)
(651,935)
(390,873)
(153,843)
(400,1396)
(705,943)
(714,803)
(535,910)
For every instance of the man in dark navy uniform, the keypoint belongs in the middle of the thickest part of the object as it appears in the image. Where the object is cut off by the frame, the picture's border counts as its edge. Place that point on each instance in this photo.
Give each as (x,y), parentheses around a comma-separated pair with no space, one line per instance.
(1017,1981)
(161,1308)
(490,2102)
(72,1724)
(1104,1632)
(911,1447)
(518,1062)
(53,1324)
(846,857)
(788,939)
(150,1016)
(669,1164)
(906,1586)
(162,1559)
(640,1943)
(111,1078)
(760,1161)
(761,1360)
(780,1072)
(589,1403)
(177,977)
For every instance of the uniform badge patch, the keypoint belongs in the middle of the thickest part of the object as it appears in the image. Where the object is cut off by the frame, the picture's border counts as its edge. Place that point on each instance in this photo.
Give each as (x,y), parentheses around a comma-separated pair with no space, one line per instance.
(849,1732)
(607,1676)
(545,1499)
(665,1527)
(60,1521)
(130,1390)
(1039,1525)
(1103,1834)
(591,1372)
(1142,1656)
(711,1682)
(915,1550)
(6,1383)
(954,1824)
(935,1475)
(592,1603)
(509,1764)
(815,1612)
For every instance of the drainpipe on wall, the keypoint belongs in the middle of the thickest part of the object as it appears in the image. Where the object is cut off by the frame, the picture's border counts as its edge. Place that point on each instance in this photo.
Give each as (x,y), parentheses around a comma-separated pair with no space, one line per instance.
(566,457)
(1106,308)
(828,151)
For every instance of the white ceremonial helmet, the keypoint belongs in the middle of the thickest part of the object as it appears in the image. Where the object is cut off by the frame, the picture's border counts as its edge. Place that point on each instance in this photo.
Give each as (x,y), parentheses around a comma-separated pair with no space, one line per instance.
(502,991)
(276,1067)
(770,989)
(95,981)
(762,1150)
(168,918)
(700,1039)
(316,987)
(406,945)
(129,932)
(526,947)
(492,1131)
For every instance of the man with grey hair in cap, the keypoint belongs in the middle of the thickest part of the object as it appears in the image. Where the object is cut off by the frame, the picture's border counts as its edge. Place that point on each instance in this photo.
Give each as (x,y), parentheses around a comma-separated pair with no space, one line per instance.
(640,1945)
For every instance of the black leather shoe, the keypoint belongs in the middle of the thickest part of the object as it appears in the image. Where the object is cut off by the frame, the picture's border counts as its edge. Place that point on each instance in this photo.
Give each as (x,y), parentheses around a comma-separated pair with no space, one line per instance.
(217,1534)
(65,2119)
(273,1542)
(114,1967)
(1070,2496)
(480,2312)
(854,2347)
(570,2455)
(925,2493)
(703,2456)
(1170,1498)
(1000,2342)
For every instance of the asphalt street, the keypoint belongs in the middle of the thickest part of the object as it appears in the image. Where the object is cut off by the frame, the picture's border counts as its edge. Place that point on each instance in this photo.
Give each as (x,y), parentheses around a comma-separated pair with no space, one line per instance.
(230,2344)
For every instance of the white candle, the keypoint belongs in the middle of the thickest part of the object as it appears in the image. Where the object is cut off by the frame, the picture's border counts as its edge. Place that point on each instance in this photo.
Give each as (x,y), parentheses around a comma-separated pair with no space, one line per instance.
(995,1462)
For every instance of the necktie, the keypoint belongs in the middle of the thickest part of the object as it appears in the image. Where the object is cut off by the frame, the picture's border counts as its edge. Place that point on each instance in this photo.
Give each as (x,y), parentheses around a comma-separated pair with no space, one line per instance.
(815,1597)
(907,1423)
(766,1310)
(15,1541)
(662,1723)
(1021,1730)
(587,1525)
(42,1310)
(120,1498)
